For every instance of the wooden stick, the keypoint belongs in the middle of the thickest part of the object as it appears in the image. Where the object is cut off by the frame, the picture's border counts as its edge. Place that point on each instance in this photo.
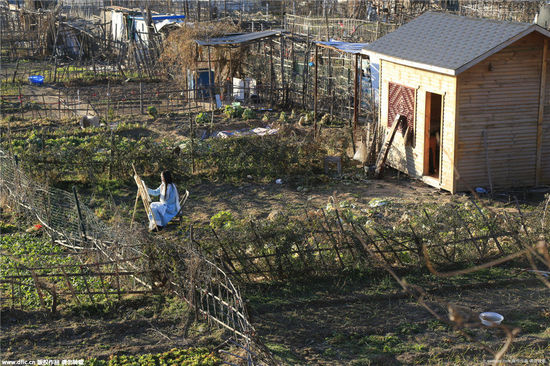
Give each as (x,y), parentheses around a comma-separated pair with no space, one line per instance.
(70,285)
(135,208)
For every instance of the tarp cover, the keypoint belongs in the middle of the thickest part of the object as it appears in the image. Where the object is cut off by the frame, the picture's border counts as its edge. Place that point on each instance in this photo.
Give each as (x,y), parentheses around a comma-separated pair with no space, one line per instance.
(232,39)
(346,47)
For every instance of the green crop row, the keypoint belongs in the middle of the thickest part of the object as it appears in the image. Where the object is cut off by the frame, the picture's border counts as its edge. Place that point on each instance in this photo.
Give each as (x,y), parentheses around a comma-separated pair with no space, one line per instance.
(25,256)
(183,357)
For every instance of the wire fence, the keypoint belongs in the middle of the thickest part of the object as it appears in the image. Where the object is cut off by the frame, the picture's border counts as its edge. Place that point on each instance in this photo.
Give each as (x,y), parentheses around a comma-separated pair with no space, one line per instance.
(345,29)
(189,274)
(80,277)
(134,98)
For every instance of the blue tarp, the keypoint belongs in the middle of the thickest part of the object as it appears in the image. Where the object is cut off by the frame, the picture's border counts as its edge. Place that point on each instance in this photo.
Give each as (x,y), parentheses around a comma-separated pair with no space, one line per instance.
(347,47)
(161,17)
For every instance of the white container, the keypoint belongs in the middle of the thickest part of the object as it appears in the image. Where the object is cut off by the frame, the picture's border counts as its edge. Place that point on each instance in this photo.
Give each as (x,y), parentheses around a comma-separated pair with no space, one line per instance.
(491,319)
(238,89)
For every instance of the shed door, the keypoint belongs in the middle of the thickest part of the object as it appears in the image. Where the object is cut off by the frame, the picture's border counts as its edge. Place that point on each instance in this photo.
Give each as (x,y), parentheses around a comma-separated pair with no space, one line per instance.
(432,135)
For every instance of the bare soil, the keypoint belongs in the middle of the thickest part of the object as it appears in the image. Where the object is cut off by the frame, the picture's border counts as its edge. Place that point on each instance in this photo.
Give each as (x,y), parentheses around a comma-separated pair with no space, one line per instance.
(135,326)
(259,200)
(396,330)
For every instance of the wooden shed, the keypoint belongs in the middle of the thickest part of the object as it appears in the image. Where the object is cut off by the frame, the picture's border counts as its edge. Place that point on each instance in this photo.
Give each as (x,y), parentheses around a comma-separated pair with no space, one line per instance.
(475,95)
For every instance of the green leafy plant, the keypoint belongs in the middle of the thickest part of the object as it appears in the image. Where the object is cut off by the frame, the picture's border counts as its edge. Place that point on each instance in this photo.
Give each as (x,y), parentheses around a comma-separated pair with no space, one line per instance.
(186,357)
(152,111)
(222,219)
(233,111)
(248,114)
(30,251)
(201,118)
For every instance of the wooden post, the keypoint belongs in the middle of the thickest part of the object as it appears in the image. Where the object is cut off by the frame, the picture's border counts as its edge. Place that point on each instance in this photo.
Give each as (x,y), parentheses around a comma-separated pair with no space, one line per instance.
(140,98)
(542,94)
(271,73)
(112,155)
(330,91)
(15,72)
(20,101)
(81,221)
(305,74)
(108,103)
(211,88)
(135,208)
(316,91)
(198,11)
(282,45)
(326,22)
(356,94)
(192,133)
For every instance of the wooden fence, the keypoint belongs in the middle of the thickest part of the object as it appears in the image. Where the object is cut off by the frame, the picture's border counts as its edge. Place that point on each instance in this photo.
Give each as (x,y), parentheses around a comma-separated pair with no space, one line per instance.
(197,280)
(323,243)
(78,282)
(126,100)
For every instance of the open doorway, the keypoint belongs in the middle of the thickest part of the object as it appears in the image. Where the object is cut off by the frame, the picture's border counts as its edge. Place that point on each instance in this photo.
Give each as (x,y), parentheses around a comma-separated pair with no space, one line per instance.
(432,135)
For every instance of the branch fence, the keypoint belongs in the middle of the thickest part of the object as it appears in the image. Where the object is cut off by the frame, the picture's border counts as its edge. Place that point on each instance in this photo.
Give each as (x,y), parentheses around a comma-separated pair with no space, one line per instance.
(126,257)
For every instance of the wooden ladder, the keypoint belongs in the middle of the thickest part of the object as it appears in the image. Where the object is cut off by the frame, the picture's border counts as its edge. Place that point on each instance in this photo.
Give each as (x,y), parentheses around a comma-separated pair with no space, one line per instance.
(383,154)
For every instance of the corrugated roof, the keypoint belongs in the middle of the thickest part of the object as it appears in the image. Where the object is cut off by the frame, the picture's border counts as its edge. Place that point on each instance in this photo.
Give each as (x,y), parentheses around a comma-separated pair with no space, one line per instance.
(346,47)
(449,43)
(239,38)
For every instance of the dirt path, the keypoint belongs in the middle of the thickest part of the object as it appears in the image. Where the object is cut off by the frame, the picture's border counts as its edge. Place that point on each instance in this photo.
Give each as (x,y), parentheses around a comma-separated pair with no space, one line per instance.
(49,98)
(259,200)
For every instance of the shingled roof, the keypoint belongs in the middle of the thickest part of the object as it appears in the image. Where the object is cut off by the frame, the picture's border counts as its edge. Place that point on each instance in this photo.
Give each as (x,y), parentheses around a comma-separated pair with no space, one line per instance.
(446,43)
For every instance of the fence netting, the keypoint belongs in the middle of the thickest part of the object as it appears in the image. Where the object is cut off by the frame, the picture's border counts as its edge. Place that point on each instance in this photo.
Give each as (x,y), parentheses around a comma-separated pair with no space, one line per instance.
(200,282)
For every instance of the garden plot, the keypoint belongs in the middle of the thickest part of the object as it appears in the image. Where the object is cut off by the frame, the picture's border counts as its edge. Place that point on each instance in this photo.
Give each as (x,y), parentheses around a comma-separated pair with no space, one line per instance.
(317,295)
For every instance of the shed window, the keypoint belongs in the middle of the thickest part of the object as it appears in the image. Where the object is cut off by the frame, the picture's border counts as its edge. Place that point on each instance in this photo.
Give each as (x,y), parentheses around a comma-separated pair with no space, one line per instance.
(401,101)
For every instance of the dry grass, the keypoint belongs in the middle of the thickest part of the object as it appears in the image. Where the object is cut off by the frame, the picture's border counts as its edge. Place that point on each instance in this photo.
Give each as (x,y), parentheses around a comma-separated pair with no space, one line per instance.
(182,53)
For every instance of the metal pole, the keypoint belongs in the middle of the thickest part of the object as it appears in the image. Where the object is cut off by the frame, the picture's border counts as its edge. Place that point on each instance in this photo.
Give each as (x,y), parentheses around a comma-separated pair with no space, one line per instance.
(315,92)
(356,94)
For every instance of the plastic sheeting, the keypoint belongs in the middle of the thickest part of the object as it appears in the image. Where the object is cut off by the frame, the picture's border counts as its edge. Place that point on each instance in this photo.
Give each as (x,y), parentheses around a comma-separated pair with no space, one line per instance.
(259,131)
(347,47)
(239,38)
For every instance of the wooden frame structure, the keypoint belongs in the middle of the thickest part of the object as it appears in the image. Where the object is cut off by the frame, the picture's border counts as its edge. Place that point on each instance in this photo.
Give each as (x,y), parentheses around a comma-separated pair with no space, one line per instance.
(145,198)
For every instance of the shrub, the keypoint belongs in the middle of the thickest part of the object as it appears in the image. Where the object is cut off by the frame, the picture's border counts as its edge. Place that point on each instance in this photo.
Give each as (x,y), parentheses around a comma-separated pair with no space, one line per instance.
(152,111)
(233,111)
(221,219)
(249,114)
(201,118)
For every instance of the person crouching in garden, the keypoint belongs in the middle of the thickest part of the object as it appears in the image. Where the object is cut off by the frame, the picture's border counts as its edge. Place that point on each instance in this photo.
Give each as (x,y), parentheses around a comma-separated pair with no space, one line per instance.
(168,206)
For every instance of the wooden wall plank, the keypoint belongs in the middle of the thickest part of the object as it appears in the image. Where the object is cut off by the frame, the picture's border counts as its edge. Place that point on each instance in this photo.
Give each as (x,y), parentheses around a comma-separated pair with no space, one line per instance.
(500,95)
(407,158)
